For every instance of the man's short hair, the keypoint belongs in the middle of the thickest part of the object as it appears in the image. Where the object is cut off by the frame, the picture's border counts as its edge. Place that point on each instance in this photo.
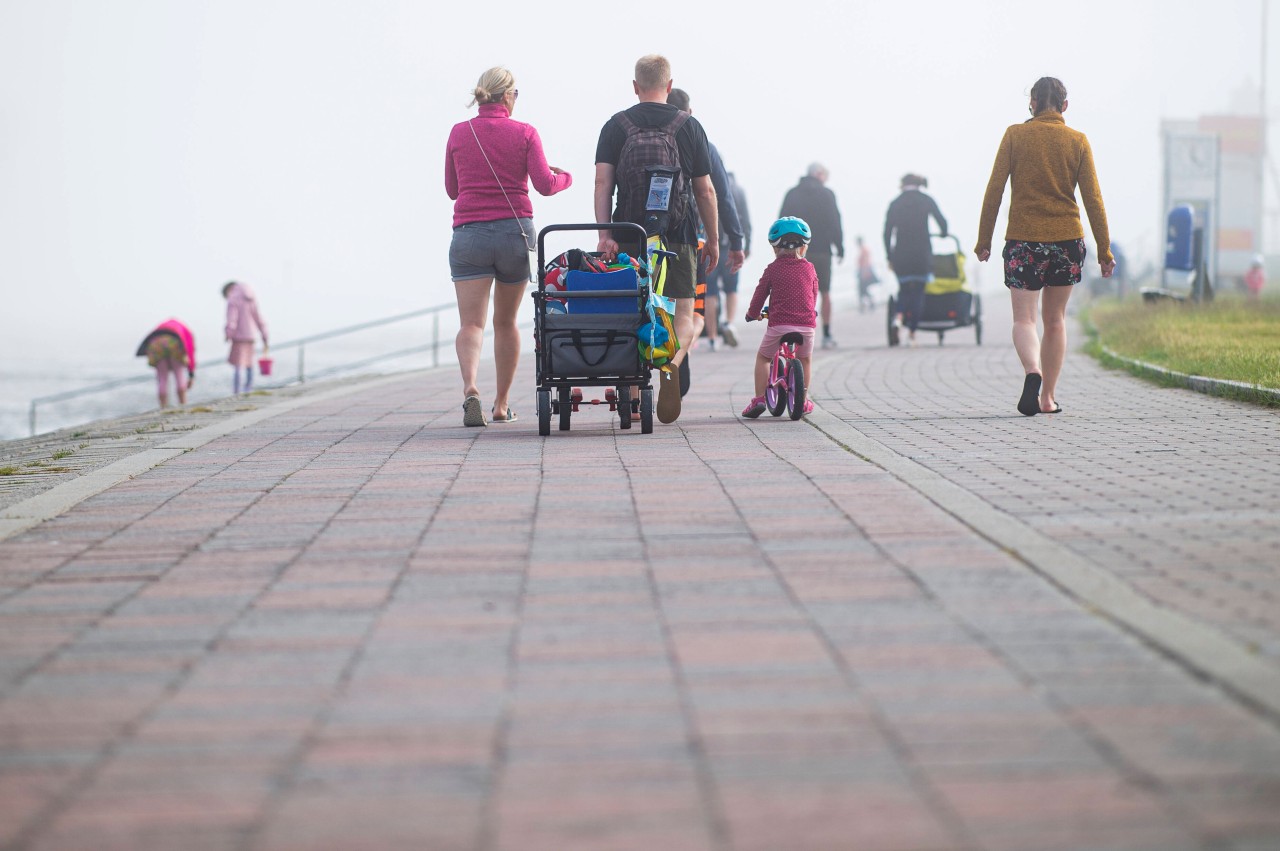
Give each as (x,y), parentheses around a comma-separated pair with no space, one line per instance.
(679,98)
(653,72)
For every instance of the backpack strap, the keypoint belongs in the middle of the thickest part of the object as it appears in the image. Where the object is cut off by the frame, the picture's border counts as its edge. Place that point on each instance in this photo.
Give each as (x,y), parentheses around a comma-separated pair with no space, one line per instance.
(674,125)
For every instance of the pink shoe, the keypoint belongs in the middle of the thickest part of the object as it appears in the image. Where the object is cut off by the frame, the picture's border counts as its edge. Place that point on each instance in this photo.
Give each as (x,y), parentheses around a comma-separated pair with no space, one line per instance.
(808,406)
(754,408)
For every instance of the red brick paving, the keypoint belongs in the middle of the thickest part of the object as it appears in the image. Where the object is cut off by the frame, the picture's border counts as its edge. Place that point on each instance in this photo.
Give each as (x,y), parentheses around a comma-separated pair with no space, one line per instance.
(359,625)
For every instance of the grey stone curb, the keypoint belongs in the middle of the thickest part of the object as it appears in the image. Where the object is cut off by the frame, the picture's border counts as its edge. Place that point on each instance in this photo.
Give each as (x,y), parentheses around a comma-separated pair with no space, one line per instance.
(30,512)
(1198,383)
(1204,650)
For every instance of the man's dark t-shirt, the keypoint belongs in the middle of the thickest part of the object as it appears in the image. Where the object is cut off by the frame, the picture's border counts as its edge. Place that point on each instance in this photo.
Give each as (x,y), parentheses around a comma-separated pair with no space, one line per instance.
(695,157)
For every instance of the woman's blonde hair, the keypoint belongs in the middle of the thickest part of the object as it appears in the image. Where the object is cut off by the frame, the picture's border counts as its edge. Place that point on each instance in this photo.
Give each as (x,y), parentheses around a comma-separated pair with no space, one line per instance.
(493,84)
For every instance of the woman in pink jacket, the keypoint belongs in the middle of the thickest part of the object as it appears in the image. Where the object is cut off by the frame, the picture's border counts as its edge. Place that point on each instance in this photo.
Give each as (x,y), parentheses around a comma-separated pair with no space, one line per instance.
(171,350)
(489,163)
(242,318)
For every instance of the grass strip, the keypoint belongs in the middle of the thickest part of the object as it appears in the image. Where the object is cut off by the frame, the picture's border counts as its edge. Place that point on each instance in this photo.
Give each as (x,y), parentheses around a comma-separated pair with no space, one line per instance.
(1178,344)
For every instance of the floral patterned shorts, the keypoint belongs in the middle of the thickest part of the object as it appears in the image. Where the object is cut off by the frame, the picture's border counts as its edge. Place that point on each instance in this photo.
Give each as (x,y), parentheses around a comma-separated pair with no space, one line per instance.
(1036,265)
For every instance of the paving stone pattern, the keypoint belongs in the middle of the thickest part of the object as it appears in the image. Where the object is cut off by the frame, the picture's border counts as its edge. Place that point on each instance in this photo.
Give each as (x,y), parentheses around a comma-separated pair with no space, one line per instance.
(359,625)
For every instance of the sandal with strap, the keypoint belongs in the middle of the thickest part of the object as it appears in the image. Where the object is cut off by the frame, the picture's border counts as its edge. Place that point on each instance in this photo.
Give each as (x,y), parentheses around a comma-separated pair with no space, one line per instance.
(472,412)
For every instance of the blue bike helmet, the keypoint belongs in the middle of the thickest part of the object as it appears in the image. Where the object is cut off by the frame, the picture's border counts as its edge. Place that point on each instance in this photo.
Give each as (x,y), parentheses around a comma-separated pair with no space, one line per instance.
(790,232)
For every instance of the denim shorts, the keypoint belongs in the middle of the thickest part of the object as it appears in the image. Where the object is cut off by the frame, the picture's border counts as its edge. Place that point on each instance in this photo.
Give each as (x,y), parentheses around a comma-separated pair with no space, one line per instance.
(491,250)
(720,279)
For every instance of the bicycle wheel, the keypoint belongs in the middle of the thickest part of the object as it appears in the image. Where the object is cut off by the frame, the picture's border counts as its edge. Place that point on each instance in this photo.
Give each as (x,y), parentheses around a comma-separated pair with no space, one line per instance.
(775,392)
(795,388)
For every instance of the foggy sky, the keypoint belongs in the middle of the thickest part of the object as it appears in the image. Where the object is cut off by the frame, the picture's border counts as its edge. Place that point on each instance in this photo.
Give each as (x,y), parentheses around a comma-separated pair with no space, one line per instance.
(151,150)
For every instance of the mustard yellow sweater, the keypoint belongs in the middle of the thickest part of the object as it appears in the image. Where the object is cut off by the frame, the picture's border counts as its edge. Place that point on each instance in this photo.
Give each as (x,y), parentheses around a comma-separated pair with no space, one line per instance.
(1046,160)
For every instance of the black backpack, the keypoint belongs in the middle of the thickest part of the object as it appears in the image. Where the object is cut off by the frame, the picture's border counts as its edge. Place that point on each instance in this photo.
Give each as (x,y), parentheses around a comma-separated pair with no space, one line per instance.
(652,190)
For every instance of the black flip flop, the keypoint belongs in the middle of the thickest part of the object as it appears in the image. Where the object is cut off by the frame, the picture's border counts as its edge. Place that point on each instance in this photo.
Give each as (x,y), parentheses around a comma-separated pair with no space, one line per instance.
(1029,404)
(1056,410)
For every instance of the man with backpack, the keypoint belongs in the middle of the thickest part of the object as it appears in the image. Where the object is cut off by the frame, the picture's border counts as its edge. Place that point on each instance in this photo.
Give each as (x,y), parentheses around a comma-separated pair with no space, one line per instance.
(658,160)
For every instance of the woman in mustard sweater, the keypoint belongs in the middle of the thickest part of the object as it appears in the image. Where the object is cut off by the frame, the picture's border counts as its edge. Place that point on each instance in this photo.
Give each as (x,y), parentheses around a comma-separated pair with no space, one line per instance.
(1045,160)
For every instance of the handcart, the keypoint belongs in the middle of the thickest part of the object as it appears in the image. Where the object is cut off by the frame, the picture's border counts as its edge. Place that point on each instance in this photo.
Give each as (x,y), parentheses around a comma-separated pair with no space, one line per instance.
(948,301)
(588,333)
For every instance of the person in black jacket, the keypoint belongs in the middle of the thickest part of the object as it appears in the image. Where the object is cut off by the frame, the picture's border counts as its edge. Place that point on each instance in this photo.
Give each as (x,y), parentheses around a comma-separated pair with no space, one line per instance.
(816,204)
(909,249)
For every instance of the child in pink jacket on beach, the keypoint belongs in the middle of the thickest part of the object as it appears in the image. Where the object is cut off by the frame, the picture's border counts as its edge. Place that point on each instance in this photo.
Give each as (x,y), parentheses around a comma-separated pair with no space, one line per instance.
(242,318)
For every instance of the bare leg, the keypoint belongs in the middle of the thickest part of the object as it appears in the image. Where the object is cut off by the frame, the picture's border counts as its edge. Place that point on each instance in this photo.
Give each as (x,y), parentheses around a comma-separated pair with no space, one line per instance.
(713,307)
(507,300)
(685,329)
(730,308)
(473,312)
(762,373)
(162,385)
(1053,349)
(1026,340)
(807,363)
(826,309)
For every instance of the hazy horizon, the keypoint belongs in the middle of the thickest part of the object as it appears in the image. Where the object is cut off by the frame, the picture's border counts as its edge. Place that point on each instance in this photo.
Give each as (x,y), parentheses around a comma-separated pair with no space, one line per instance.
(154,150)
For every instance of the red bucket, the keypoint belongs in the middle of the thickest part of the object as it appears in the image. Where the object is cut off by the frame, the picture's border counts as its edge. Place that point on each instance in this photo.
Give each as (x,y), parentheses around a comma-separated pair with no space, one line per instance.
(264,366)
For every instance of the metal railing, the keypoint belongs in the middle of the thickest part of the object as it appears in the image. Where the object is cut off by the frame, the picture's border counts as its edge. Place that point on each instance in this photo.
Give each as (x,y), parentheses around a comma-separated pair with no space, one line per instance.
(300,344)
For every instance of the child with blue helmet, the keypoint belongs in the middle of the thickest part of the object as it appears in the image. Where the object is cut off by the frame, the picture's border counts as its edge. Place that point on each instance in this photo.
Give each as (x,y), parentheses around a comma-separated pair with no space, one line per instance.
(790,285)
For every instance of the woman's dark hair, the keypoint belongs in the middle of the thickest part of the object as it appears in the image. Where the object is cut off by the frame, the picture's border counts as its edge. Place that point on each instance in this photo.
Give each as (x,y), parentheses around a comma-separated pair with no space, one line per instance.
(1049,93)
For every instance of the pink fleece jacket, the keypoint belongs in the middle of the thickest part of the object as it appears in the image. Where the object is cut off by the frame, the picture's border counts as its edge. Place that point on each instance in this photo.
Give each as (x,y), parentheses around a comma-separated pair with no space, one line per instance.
(514,149)
(243,316)
(179,330)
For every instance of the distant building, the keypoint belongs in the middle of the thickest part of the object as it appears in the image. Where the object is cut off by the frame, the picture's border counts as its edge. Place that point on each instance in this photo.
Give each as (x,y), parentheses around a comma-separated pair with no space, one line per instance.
(1216,164)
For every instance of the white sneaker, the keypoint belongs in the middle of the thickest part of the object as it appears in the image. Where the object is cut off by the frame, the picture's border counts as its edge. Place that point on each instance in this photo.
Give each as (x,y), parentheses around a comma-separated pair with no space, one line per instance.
(730,336)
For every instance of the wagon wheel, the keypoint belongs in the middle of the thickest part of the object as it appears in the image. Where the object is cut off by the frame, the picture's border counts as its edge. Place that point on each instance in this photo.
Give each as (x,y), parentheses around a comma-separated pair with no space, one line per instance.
(565,407)
(646,411)
(624,407)
(544,412)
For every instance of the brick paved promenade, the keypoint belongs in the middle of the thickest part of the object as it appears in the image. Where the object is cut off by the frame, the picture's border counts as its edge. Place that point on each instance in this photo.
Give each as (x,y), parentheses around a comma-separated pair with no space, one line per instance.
(917,621)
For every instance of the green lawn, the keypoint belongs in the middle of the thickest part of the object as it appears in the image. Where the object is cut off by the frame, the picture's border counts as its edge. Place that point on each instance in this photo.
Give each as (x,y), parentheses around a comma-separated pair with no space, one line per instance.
(1228,338)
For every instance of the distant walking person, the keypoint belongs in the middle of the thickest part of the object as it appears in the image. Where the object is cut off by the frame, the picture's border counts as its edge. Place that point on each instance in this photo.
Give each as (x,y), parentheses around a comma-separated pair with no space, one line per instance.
(171,350)
(812,201)
(725,280)
(243,319)
(732,248)
(866,277)
(909,249)
(1044,245)
(1256,278)
(489,162)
